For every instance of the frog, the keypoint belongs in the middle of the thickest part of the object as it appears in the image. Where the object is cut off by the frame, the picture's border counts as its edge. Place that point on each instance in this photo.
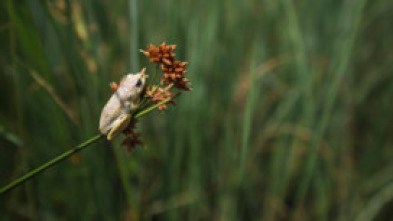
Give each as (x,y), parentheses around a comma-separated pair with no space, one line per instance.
(117,112)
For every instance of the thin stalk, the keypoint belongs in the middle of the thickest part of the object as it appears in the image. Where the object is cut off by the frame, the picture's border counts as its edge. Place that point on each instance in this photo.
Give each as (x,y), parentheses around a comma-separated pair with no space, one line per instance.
(139,114)
(48,164)
(154,76)
(134,61)
(247,123)
(144,102)
(68,153)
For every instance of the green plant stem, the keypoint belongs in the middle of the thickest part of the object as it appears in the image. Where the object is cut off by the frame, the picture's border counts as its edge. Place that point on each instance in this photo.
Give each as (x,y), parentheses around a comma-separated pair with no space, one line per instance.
(68,153)
(154,76)
(145,100)
(145,111)
(134,59)
(48,164)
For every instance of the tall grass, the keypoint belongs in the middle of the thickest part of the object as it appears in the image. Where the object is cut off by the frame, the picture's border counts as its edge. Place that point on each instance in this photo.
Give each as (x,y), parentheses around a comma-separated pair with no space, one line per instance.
(289,117)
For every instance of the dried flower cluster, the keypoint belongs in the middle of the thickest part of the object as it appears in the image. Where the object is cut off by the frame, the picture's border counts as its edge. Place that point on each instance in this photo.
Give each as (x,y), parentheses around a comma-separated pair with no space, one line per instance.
(114,86)
(132,138)
(159,94)
(173,71)
(173,77)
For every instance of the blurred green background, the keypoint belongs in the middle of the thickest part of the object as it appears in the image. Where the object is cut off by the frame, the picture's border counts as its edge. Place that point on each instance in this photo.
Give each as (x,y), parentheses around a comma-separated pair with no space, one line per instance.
(290,117)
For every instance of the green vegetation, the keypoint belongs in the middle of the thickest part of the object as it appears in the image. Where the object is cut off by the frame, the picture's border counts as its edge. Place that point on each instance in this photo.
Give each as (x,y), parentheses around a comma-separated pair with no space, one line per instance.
(290,116)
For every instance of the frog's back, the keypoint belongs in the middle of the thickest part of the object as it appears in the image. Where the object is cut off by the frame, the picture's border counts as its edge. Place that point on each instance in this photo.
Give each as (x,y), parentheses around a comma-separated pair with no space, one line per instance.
(110,112)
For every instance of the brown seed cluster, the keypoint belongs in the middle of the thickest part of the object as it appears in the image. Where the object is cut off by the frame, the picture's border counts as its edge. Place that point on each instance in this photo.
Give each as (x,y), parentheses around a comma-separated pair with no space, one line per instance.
(173,71)
(132,138)
(160,54)
(114,86)
(159,94)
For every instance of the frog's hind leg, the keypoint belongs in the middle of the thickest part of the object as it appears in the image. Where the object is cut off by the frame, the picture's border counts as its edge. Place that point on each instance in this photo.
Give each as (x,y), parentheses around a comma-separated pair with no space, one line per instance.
(119,126)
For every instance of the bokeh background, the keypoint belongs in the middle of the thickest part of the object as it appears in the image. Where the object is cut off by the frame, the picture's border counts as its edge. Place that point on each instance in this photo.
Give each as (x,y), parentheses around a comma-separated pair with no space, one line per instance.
(290,117)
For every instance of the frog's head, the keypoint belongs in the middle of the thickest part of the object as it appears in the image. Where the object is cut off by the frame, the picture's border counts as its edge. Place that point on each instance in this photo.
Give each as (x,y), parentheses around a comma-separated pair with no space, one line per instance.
(135,83)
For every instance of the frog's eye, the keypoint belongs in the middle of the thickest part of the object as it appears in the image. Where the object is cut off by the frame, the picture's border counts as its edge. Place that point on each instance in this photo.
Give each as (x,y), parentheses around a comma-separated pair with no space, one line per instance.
(138,83)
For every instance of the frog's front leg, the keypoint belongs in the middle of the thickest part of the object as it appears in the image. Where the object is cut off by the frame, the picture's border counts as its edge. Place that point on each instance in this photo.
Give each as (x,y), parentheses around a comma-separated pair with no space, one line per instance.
(119,125)
(135,105)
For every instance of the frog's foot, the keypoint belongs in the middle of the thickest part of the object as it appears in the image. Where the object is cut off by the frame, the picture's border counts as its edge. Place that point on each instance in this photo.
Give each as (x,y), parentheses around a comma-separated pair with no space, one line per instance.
(119,126)
(134,105)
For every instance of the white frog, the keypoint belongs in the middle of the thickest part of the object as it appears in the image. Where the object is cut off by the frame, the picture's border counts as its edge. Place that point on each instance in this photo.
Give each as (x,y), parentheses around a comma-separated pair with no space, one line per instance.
(116,114)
